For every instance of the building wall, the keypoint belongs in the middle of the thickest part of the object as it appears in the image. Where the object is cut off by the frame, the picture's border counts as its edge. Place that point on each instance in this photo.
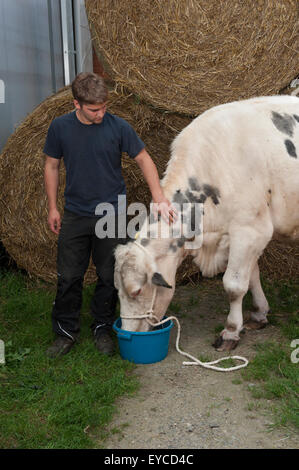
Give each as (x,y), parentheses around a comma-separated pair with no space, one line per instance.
(25,59)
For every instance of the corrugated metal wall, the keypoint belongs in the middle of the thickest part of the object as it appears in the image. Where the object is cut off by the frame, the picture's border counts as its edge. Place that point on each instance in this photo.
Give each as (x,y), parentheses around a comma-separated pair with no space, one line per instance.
(25,59)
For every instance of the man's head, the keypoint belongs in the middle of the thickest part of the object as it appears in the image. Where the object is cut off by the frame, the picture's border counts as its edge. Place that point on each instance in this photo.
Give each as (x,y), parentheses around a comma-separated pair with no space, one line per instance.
(90,97)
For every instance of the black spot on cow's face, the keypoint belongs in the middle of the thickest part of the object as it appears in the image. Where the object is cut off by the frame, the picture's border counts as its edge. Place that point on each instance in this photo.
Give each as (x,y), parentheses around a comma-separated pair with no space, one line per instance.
(284,123)
(194,184)
(212,192)
(291,149)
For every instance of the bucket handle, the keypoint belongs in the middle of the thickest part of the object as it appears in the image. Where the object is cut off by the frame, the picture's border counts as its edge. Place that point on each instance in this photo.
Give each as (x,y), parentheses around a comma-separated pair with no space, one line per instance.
(123,335)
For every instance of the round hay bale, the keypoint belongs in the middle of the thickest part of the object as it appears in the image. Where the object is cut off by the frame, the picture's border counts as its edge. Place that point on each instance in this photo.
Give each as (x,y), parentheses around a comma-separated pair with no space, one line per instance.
(23,204)
(280,261)
(187,56)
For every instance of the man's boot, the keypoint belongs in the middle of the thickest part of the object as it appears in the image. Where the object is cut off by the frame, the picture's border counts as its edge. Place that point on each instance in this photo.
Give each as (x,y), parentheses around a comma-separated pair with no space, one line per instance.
(62,345)
(103,341)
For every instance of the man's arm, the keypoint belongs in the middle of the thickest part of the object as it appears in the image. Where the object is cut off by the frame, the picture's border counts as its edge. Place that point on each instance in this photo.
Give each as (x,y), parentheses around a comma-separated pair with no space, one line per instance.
(51,176)
(151,176)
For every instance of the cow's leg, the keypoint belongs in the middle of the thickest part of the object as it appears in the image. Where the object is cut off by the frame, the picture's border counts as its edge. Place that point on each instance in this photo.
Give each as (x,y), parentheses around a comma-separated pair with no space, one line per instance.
(258,318)
(246,245)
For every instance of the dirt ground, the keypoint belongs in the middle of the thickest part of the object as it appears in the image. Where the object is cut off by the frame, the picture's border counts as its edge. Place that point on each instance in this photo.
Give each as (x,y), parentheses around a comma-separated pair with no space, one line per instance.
(189,407)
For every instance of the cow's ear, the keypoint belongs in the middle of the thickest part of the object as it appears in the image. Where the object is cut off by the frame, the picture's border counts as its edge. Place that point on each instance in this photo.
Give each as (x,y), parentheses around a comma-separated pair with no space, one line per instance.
(159,280)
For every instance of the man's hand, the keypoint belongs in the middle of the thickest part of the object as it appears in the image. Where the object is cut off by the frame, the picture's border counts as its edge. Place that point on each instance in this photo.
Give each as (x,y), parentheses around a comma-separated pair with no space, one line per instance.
(163,206)
(54,221)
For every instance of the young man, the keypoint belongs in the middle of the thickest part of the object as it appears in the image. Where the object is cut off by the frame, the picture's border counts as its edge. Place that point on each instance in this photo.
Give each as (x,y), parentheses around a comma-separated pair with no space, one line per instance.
(90,141)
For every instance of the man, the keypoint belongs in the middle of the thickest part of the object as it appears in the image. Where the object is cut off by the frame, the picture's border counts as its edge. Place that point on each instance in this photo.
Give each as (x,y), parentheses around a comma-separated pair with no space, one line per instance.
(90,140)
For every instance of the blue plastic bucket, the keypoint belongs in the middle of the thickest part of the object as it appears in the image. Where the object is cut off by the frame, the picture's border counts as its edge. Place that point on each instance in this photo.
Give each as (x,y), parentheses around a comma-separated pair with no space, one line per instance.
(143,347)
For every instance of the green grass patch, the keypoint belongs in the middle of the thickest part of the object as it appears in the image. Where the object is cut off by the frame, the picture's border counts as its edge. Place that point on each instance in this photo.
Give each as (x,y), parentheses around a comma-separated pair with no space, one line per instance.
(52,403)
(275,374)
(277,380)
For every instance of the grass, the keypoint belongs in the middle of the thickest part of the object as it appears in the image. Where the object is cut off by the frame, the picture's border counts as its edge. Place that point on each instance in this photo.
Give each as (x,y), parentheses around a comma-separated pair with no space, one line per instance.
(276,376)
(61,403)
(69,402)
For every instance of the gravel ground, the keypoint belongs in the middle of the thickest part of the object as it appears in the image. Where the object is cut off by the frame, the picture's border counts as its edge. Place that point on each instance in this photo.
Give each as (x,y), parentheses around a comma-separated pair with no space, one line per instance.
(189,407)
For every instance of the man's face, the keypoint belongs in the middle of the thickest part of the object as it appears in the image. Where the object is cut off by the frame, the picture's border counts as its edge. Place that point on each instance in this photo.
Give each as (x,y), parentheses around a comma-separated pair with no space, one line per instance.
(90,113)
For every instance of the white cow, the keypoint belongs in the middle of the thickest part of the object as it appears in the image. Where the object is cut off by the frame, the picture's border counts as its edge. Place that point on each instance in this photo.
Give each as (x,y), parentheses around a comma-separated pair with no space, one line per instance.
(242,161)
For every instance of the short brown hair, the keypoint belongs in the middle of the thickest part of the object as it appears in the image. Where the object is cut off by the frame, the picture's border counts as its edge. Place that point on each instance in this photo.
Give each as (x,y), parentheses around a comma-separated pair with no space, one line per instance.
(89,88)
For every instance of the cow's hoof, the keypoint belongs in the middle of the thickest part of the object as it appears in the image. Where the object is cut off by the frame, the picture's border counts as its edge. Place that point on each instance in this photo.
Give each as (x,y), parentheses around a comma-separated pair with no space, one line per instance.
(225,344)
(255,325)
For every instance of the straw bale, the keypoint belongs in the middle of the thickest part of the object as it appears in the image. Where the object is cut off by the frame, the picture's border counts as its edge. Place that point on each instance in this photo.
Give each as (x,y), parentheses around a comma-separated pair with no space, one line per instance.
(23,206)
(189,55)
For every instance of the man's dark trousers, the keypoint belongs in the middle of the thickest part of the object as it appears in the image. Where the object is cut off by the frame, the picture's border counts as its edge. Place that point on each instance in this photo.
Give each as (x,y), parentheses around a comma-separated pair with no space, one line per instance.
(76,243)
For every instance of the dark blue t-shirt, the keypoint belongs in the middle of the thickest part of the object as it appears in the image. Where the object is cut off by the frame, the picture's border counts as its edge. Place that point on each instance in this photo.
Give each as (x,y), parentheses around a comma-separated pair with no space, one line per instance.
(92,158)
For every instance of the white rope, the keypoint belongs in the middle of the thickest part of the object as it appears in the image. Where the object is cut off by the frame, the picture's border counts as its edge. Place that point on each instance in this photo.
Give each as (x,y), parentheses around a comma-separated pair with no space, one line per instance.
(149,315)
(195,361)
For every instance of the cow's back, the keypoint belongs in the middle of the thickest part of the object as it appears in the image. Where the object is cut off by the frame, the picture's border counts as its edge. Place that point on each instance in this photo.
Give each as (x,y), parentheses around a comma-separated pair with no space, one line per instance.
(249,152)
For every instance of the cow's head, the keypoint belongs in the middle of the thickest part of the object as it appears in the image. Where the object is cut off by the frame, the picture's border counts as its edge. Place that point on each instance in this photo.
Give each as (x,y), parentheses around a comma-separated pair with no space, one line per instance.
(137,274)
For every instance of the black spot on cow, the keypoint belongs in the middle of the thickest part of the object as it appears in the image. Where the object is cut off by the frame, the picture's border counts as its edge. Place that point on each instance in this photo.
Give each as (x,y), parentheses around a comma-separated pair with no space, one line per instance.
(179,198)
(284,123)
(181,242)
(173,247)
(212,192)
(269,191)
(296,117)
(194,184)
(291,149)
(192,197)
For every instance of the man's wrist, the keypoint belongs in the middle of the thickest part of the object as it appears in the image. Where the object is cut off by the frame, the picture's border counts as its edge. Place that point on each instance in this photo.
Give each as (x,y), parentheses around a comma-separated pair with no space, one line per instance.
(158,195)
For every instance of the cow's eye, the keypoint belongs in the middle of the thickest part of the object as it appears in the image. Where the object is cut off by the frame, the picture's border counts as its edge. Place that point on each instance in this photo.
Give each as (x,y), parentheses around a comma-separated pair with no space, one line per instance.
(135,293)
